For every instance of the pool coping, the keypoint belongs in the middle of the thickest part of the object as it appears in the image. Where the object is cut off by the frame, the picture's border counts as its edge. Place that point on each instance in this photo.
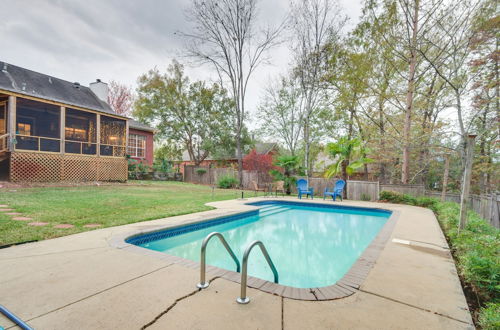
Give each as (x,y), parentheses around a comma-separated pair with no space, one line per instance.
(344,287)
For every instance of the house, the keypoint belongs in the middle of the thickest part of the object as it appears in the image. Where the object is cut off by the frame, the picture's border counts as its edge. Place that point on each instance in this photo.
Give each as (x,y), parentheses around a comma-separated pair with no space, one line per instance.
(270,149)
(56,130)
(229,161)
(140,142)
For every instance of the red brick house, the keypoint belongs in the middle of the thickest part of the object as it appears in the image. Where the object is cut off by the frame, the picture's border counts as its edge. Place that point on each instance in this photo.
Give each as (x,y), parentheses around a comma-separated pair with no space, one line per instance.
(140,142)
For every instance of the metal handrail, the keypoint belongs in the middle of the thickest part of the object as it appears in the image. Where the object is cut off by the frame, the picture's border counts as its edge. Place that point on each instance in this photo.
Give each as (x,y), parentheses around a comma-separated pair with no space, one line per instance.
(14,318)
(203,258)
(243,299)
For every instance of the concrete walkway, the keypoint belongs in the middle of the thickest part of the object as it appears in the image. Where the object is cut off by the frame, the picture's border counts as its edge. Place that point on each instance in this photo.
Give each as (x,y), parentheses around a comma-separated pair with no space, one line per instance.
(84,281)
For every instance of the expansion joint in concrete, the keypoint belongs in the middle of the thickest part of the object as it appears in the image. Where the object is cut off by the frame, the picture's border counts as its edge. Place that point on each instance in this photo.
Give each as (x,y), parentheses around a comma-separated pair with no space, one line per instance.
(414,306)
(282,313)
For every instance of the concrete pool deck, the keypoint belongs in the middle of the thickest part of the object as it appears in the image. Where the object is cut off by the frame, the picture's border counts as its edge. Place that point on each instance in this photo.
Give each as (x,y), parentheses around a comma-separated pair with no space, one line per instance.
(85,281)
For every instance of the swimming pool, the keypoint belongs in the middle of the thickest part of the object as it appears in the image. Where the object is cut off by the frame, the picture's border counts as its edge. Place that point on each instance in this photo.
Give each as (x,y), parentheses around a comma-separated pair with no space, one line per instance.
(311,245)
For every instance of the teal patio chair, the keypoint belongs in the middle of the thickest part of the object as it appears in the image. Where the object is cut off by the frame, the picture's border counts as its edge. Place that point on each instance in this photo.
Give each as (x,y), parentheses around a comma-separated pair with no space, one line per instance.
(337,190)
(303,189)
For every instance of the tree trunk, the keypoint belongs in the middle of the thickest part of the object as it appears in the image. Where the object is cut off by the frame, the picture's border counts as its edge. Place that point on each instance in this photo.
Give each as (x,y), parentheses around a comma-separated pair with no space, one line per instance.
(409,97)
(464,198)
(445,178)
(307,147)
(239,155)
(345,163)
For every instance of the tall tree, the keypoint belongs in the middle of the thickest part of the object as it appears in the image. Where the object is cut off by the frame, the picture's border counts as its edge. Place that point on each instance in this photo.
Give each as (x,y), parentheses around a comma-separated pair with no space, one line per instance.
(193,113)
(120,98)
(486,91)
(316,27)
(447,51)
(224,35)
(281,113)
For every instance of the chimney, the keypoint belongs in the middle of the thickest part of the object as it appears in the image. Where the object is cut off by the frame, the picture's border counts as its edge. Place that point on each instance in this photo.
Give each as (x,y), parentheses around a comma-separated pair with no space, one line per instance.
(100,89)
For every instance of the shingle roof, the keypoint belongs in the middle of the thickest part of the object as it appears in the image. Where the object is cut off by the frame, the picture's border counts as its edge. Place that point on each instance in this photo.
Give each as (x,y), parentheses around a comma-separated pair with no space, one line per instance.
(265,147)
(140,126)
(23,81)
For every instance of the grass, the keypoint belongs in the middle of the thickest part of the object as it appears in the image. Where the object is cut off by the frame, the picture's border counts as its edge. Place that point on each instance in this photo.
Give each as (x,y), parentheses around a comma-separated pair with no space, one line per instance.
(109,205)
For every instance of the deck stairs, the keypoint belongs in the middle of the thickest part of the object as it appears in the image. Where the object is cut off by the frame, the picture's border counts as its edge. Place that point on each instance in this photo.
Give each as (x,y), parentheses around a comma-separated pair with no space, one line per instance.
(267,210)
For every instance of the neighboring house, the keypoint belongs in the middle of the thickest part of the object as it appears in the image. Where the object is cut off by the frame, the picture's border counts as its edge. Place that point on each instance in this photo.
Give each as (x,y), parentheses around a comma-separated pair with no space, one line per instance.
(55,130)
(267,148)
(230,161)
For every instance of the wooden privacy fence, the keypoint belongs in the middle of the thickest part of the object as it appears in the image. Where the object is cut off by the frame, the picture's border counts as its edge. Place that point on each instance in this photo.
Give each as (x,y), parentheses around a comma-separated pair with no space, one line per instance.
(209,176)
(487,206)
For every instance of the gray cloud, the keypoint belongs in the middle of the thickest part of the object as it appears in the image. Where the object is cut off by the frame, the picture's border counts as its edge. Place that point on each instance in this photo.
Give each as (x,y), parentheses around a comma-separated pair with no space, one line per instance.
(116,39)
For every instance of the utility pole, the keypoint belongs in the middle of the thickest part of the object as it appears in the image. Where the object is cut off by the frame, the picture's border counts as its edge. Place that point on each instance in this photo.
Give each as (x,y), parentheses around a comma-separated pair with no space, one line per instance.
(445,177)
(471,140)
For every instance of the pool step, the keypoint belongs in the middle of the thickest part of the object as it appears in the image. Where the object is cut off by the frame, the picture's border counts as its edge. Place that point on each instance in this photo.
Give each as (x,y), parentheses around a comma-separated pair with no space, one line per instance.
(271,211)
(269,207)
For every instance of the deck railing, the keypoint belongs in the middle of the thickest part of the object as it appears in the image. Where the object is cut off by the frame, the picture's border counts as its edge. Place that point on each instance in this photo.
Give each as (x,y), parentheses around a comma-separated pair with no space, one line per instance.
(4,142)
(37,143)
(48,144)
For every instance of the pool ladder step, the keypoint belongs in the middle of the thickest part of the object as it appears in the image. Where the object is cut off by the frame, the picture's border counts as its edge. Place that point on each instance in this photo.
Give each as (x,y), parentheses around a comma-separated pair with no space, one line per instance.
(242,299)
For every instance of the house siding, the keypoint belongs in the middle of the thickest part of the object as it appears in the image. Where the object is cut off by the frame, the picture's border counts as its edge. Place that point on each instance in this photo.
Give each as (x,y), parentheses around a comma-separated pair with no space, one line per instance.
(148,159)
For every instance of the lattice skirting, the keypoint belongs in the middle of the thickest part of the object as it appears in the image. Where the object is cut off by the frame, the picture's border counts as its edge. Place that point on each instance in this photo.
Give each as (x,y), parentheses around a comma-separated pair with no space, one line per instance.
(41,167)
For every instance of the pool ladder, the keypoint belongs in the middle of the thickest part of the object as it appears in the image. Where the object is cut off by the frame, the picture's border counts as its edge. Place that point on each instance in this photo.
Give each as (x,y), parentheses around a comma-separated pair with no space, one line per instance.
(242,299)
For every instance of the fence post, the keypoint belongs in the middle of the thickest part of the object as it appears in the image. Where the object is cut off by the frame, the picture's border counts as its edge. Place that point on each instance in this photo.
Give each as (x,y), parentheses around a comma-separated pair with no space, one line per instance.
(471,140)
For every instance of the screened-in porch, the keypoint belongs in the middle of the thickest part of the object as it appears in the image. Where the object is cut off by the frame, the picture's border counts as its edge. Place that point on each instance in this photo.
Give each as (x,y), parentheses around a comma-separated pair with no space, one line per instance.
(44,127)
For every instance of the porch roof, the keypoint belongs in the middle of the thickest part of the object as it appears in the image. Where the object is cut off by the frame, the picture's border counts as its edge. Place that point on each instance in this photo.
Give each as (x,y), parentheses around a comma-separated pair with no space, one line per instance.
(23,81)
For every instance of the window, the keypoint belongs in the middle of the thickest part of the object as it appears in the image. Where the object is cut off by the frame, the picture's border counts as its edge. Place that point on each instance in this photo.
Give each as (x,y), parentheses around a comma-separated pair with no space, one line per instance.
(137,146)
(23,129)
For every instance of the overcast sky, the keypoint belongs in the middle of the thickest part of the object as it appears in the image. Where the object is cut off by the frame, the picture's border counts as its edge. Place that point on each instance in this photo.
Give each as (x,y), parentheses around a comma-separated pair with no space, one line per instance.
(117,39)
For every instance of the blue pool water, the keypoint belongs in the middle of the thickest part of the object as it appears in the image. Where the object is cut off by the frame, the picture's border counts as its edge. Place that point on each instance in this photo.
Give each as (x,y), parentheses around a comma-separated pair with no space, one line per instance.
(311,246)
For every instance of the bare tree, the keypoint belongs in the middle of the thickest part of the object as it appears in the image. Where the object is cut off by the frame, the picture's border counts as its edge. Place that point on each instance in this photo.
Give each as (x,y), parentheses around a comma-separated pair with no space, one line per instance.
(316,27)
(224,35)
(412,27)
(281,113)
(416,21)
(120,98)
(450,57)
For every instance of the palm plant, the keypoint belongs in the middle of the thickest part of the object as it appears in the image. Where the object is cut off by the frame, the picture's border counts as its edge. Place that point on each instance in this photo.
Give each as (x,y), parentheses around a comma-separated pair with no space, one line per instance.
(290,166)
(349,155)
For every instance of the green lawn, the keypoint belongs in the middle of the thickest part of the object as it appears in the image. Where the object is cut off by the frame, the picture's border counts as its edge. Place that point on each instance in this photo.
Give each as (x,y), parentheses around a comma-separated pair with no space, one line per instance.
(109,205)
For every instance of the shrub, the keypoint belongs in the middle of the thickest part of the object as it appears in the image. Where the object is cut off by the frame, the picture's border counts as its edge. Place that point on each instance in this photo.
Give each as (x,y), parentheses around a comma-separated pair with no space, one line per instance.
(476,250)
(201,171)
(489,317)
(132,165)
(162,165)
(227,181)
(365,197)
(398,198)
